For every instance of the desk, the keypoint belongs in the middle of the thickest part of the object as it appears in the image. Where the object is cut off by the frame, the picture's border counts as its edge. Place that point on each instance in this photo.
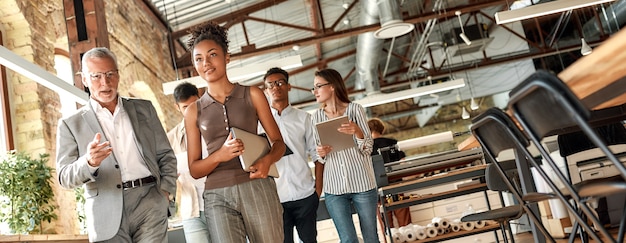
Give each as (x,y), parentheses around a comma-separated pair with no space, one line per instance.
(472,172)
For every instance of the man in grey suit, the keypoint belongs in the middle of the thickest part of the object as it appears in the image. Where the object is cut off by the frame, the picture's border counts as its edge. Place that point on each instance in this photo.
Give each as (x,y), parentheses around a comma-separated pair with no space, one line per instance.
(116,147)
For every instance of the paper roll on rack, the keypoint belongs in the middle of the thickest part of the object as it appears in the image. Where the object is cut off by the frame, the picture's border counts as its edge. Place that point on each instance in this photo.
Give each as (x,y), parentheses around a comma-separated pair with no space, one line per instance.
(479,224)
(425,140)
(420,232)
(441,222)
(456,227)
(430,231)
(467,226)
(397,236)
(408,233)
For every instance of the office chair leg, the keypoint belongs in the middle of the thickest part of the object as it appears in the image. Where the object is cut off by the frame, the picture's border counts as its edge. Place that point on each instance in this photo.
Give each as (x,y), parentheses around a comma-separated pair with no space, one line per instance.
(572,235)
(578,230)
(512,237)
(622,224)
(503,228)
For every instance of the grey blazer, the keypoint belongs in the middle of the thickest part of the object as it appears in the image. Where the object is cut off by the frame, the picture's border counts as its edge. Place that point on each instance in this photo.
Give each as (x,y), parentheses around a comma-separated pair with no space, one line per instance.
(103,192)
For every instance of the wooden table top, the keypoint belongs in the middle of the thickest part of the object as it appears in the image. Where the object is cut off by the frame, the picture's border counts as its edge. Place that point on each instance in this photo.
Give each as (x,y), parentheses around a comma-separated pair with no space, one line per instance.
(598,79)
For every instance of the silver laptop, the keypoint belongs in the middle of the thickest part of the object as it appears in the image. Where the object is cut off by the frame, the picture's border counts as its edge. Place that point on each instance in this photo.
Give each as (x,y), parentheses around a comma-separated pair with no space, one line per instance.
(329,135)
(255,147)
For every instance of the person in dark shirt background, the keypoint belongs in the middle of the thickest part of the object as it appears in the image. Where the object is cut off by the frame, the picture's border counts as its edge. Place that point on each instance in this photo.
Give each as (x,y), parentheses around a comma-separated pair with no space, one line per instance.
(377,128)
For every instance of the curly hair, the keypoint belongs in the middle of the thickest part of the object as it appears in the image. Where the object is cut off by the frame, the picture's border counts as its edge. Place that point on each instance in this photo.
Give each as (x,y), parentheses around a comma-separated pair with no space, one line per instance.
(209,31)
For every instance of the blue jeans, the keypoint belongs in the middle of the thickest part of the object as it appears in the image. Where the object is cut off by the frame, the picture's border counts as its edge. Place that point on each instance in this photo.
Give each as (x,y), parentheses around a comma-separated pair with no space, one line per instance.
(195,229)
(339,209)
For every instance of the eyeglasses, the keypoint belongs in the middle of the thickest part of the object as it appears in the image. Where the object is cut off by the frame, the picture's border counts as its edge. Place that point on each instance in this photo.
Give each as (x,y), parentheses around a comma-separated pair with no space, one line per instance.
(98,75)
(277,83)
(317,87)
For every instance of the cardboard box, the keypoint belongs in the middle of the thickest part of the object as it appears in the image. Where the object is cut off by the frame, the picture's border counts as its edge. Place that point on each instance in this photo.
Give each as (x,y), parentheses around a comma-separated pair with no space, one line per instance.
(557,227)
(544,209)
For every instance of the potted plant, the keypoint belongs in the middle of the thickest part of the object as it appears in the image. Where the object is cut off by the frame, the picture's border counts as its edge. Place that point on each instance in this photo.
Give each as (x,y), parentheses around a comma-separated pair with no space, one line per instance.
(25,192)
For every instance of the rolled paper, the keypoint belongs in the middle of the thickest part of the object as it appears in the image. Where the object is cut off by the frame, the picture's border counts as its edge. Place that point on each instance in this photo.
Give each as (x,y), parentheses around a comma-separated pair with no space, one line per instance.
(425,140)
(479,224)
(431,231)
(467,226)
(397,236)
(443,222)
(408,233)
(441,231)
(420,232)
(455,227)
(433,224)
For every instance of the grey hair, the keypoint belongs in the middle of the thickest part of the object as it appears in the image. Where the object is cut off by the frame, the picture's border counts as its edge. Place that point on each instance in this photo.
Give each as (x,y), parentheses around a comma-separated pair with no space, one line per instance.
(97,52)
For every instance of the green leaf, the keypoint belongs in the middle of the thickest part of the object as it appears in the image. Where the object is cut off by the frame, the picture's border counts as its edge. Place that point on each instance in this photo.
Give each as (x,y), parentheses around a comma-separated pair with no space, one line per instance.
(25,191)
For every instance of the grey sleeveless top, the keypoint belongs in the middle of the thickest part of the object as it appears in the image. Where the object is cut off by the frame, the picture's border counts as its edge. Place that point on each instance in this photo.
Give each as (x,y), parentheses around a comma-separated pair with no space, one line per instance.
(214,122)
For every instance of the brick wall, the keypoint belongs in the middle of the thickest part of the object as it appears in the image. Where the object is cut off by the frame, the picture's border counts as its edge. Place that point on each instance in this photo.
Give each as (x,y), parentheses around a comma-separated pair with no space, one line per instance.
(33,29)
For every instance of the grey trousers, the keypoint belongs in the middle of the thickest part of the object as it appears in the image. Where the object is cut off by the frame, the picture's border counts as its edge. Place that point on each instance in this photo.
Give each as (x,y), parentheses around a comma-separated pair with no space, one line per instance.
(145,216)
(249,209)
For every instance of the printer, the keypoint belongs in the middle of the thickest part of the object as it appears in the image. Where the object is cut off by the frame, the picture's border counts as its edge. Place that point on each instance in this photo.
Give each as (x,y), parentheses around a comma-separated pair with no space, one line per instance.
(593,164)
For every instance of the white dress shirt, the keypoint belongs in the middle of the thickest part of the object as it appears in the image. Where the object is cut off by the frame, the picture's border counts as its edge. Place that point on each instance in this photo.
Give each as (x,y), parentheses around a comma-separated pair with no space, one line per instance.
(296,180)
(189,190)
(119,131)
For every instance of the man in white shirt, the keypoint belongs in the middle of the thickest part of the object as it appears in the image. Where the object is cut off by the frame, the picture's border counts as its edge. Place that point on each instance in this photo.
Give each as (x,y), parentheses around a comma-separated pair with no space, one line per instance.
(116,149)
(298,191)
(189,199)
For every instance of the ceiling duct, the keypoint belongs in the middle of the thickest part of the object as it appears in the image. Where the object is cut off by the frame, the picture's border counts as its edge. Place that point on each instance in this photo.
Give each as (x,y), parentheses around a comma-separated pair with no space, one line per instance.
(369,47)
(367,51)
(611,19)
(390,20)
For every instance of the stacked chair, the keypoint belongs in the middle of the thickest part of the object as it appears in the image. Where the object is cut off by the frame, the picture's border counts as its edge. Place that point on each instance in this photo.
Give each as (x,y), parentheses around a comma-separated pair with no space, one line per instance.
(543,105)
(496,132)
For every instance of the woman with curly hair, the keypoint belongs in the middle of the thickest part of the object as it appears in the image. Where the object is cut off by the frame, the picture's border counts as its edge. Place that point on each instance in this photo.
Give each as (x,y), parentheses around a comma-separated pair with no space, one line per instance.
(237,204)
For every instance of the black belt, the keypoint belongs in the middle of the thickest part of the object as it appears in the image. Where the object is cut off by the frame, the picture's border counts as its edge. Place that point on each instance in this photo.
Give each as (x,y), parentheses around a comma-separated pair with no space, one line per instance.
(138,182)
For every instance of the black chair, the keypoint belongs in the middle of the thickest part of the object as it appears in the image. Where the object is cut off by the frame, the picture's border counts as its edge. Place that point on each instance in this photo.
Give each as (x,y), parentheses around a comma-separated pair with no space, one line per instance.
(543,105)
(496,132)
(503,215)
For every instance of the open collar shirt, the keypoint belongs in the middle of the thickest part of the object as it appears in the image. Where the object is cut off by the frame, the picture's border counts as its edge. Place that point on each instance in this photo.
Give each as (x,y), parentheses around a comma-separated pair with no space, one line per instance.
(296,180)
(119,131)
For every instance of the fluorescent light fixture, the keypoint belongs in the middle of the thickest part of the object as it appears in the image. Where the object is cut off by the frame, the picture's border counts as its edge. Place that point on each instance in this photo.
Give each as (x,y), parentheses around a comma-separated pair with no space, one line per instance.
(41,76)
(239,73)
(383,98)
(465,115)
(257,69)
(542,9)
(585,49)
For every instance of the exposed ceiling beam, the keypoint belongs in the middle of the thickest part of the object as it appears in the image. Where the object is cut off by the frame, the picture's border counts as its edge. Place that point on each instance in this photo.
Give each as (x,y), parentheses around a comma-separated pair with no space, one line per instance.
(185,59)
(232,15)
(472,66)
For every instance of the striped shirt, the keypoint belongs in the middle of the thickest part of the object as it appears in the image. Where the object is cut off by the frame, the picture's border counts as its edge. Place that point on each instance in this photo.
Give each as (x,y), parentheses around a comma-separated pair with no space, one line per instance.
(349,170)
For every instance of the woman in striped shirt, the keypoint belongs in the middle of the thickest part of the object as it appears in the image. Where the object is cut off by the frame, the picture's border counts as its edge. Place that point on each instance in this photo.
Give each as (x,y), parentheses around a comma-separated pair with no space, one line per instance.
(348,174)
